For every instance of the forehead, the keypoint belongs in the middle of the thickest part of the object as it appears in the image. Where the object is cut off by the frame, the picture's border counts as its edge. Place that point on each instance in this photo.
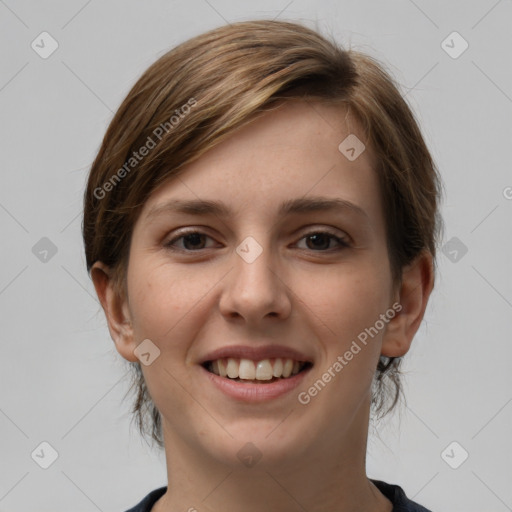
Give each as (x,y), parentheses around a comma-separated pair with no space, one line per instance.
(297,149)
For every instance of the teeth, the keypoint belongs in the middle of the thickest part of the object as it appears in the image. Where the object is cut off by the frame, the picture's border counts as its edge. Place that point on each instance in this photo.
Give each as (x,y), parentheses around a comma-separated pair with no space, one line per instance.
(288,367)
(246,369)
(222,368)
(232,368)
(264,370)
(278,367)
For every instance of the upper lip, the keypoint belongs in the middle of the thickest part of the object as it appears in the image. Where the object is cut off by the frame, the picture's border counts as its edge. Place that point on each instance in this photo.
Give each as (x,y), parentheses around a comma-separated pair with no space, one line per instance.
(256,353)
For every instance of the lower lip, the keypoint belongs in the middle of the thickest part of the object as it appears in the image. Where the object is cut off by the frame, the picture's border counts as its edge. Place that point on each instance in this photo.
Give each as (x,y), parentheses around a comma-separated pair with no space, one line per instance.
(251,392)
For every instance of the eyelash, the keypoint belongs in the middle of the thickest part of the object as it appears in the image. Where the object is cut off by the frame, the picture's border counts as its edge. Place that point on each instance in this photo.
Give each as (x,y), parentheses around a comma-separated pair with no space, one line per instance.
(342,243)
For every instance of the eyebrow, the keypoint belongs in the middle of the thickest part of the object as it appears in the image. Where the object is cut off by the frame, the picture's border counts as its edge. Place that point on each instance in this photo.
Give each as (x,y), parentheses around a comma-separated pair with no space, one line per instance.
(217,208)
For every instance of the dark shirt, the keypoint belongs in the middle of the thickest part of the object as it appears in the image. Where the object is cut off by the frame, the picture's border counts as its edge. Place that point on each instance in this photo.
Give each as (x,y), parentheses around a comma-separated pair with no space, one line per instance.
(393,493)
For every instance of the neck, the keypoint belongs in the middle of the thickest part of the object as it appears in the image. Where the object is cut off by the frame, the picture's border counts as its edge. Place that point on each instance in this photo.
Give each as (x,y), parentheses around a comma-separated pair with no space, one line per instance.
(327,475)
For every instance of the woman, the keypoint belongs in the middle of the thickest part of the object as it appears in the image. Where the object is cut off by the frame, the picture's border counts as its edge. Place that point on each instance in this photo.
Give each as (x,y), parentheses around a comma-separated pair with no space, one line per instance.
(260,225)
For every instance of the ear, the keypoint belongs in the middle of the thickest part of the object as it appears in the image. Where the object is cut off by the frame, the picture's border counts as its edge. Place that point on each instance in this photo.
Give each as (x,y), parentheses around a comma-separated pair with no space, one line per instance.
(116,310)
(413,294)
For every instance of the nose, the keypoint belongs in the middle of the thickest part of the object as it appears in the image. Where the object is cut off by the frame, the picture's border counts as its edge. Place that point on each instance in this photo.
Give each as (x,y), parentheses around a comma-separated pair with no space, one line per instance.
(255,289)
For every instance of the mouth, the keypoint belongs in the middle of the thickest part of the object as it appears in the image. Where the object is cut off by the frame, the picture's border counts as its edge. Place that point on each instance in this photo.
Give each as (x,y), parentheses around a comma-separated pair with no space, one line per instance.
(256,374)
(263,371)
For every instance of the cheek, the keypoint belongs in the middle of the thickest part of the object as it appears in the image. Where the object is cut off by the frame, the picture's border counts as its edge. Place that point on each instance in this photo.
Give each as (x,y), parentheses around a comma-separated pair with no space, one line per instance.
(345,306)
(168,307)
(345,301)
(163,299)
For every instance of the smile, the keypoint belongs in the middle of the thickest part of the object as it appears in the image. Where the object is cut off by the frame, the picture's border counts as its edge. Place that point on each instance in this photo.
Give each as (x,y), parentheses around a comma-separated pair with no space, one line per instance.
(262,371)
(256,373)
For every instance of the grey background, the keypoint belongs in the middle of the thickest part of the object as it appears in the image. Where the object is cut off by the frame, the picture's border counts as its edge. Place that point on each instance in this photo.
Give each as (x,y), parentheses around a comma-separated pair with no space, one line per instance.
(61,378)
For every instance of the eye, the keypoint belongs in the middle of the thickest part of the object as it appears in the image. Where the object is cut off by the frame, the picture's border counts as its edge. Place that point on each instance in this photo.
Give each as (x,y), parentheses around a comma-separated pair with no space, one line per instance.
(321,241)
(318,241)
(191,241)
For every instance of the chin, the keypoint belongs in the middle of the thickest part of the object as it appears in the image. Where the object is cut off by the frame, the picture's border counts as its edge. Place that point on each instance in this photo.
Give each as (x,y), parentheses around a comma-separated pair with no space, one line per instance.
(259,443)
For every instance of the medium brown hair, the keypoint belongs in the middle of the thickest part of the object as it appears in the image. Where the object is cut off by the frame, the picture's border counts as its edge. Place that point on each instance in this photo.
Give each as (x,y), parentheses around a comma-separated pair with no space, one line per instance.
(200,92)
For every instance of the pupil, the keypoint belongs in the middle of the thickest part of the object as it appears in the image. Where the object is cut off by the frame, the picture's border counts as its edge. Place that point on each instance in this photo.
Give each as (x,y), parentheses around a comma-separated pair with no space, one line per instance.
(321,237)
(195,238)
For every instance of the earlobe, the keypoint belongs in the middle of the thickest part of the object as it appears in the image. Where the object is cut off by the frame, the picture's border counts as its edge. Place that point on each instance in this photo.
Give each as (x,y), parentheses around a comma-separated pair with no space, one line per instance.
(416,287)
(116,310)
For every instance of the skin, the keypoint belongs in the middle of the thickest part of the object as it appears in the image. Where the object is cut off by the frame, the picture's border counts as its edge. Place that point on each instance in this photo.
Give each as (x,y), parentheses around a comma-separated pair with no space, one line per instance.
(308,293)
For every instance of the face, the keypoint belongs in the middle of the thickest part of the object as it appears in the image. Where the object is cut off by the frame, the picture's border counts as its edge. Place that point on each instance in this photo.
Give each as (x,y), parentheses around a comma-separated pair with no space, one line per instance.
(269,247)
